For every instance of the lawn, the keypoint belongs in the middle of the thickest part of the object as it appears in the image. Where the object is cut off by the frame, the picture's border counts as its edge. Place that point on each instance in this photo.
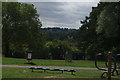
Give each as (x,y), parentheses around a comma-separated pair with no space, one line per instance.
(18,73)
(43,62)
(26,73)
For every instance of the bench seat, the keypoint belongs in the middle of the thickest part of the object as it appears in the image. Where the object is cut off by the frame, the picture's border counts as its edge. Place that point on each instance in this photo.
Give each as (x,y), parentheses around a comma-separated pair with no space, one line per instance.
(35,68)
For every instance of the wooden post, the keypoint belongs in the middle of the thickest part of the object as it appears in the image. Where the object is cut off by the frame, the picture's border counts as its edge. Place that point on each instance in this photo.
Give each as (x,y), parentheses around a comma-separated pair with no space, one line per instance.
(109,65)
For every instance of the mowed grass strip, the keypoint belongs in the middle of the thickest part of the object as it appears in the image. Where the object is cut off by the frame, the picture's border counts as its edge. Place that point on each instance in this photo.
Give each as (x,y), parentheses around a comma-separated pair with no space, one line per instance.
(44,62)
(26,73)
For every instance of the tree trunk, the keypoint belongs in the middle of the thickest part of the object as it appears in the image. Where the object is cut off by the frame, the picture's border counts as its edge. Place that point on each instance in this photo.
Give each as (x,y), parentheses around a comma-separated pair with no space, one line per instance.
(7,49)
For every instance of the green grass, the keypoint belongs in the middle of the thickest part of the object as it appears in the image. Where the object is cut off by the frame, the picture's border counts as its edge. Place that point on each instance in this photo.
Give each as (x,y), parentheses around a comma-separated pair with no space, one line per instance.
(43,62)
(26,73)
(12,73)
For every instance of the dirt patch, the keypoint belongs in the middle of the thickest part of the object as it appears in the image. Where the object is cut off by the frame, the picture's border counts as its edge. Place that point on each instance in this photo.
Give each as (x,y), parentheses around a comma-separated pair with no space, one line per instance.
(50,77)
(23,71)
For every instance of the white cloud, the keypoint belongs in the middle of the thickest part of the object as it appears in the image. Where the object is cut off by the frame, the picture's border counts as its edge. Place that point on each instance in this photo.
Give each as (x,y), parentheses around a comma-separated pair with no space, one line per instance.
(63,14)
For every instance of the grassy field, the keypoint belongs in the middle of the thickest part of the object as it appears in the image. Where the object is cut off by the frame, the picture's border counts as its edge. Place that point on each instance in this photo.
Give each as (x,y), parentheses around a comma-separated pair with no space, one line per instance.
(26,73)
(18,73)
(41,62)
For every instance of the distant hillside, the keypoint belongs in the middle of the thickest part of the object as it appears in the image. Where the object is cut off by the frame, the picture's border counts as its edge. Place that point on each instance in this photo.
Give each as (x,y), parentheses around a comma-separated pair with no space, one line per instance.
(59,33)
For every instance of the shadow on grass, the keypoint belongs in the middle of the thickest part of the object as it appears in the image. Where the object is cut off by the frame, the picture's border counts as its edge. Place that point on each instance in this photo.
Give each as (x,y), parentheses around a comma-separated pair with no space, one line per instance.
(55,72)
(30,63)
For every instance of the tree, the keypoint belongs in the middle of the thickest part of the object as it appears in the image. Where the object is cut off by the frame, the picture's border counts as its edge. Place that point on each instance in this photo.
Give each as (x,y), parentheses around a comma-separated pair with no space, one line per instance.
(100,30)
(89,41)
(59,49)
(108,25)
(87,32)
(19,35)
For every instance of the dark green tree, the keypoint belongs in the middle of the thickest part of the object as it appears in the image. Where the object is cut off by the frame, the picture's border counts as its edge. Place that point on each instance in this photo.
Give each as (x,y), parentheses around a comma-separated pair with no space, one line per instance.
(109,26)
(21,26)
(90,42)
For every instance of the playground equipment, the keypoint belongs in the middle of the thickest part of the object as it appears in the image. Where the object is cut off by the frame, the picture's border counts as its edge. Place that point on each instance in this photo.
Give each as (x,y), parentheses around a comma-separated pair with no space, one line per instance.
(34,68)
(113,69)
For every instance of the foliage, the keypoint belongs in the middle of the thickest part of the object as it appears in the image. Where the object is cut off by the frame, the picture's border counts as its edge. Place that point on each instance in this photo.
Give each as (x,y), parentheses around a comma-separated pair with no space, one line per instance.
(19,35)
(58,49)
(22,32)
(108,24)
(59,33)
(100,30)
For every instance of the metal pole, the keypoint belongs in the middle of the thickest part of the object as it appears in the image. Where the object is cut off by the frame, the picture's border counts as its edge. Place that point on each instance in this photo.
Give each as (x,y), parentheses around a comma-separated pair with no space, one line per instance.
(109,65)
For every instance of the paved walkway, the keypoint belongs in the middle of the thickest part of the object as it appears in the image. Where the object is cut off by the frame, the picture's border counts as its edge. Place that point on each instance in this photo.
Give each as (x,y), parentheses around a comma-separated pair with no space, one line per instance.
(55,67)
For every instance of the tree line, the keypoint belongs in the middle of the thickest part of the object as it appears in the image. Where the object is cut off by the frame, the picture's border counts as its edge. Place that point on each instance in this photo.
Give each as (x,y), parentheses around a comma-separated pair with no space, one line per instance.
(100,30)
(22,32)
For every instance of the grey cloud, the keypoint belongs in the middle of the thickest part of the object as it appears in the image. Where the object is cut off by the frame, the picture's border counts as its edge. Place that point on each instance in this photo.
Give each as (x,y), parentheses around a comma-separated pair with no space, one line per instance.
(63,14)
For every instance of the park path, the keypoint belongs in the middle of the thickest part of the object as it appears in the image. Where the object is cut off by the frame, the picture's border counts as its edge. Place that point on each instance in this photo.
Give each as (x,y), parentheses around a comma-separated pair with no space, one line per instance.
(54,67)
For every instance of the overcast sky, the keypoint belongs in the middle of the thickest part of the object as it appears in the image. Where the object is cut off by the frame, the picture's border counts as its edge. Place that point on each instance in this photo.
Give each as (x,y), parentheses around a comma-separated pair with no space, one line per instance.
(63,14)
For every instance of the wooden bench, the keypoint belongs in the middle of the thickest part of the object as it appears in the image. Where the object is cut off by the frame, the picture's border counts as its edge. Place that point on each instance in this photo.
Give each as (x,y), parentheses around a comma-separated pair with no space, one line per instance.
(62,70)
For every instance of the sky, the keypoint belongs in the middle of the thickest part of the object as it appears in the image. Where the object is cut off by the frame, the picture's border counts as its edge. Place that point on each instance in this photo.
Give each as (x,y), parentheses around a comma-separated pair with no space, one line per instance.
(64,14)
